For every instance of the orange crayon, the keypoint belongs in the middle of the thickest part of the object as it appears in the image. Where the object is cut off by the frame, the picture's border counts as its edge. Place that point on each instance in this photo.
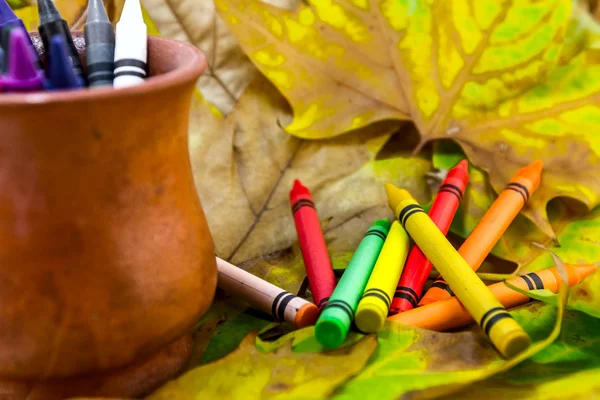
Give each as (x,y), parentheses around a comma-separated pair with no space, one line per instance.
(450,313)
(492,226)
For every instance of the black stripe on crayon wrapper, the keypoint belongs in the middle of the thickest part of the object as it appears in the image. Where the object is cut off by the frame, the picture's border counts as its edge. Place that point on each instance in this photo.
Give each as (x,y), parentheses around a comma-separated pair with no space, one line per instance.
(492,321)
(518,191)
(323,301)
(380,294)
(488,314)
(282,305)
(407,297)
(130,62)
(539,285)
(528,281)
(444,286)
(377,233)
(341,304)
(101,67)
(523,187)
(408,211)
(302,203)
(455,190)
(275,302)
(404,292)
(130,73)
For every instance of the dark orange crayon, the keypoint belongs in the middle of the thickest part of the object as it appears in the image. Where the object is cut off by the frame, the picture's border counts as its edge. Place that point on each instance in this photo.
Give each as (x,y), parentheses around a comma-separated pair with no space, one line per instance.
(450,313)
(312,244)
(492,226)
(417,268)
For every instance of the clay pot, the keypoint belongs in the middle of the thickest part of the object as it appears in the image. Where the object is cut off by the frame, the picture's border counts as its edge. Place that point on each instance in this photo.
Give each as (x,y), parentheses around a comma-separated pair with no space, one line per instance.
(105,254)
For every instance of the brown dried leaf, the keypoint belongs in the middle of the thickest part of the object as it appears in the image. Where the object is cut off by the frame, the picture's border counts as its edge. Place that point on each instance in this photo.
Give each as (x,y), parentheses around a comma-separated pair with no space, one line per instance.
(229,70)
(244,166)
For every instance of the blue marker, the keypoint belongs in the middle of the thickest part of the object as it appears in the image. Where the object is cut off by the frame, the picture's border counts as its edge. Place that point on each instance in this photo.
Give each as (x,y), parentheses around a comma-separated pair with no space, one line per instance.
(61,74)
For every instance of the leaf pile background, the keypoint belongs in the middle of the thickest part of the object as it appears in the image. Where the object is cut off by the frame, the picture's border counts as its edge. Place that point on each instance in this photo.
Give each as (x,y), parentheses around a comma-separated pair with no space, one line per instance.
(347,96)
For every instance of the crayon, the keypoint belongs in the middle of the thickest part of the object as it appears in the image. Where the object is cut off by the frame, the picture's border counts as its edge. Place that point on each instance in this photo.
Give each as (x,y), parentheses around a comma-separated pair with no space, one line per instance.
(130,46)
(51,24)
(375,302)
(312,244)
(492,226)
(61,74)
(9,20)
(8,16)
(21,74)
(450,313)
(99,45)
(504,332)
(265,296)
(417,268)
(334,322)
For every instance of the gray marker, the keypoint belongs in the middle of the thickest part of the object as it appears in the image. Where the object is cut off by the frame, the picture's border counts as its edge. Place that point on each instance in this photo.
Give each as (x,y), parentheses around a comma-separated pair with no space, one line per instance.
(100,45)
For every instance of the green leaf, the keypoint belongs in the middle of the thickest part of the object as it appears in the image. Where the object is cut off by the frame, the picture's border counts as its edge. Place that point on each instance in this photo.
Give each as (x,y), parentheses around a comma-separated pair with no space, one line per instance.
(567,369)
(248,373)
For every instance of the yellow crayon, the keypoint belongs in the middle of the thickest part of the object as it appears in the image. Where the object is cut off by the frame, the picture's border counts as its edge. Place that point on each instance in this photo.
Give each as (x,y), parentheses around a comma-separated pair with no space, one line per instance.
(374,305)
(504,332)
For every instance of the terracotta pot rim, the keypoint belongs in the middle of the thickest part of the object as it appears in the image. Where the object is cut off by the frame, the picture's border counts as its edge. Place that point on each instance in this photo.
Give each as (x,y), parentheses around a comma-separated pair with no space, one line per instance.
(191,70)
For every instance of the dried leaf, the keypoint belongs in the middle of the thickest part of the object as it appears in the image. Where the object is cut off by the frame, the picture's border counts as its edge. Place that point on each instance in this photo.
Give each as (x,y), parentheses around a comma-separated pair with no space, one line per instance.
(244,166)
(501,78)
(229,71)
(248,373)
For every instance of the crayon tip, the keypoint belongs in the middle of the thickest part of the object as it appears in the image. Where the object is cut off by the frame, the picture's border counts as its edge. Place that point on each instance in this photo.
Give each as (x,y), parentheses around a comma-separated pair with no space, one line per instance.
(6,13)
(584,270)
(47,11)
(20,66)
(396,196)
(460,171)
(298,189)
(533,173)
(132,12)
(61,73)
(96,12)
(462,164)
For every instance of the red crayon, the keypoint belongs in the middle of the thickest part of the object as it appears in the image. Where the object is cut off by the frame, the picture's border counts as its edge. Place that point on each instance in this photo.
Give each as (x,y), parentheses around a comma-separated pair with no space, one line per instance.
(314,251)
(417,267)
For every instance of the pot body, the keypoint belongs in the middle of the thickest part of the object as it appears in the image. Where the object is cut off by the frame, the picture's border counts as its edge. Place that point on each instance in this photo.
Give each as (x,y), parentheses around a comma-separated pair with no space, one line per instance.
(105,254)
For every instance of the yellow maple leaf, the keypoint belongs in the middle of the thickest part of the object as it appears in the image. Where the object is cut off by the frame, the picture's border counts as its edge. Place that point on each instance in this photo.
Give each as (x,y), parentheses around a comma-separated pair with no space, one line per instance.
(511,81)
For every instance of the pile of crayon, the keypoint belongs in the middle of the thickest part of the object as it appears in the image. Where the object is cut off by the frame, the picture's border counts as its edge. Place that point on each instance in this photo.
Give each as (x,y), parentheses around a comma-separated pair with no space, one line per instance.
(387,273)
(111,59)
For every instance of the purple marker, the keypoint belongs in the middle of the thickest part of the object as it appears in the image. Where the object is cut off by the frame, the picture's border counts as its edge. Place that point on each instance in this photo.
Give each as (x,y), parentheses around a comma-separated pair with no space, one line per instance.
(21,74)
(9,21)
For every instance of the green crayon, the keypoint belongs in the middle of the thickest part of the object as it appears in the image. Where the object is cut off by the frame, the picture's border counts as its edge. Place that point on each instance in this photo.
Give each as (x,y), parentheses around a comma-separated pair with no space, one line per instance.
(335,319)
